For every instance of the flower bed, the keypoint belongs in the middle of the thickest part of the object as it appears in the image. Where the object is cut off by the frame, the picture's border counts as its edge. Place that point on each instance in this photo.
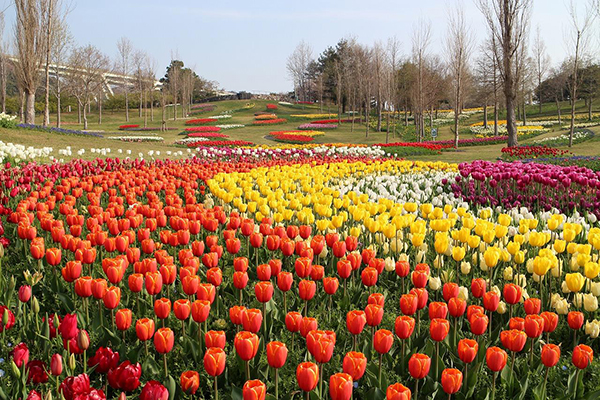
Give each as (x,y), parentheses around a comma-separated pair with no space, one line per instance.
(271,106)
(201,129)
(579,136)
(230,126)
(286,137)
(539,187)
(136,138)
(58,130)
(270,121)
(262,117)
(335,121)
(531,152)
(313,116)
(122,127)
(218,143)
(314,126)
(206,135)
(200,121)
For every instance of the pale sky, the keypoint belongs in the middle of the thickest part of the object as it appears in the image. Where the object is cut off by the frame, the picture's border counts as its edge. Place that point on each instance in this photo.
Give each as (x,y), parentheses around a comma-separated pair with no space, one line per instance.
(243,45)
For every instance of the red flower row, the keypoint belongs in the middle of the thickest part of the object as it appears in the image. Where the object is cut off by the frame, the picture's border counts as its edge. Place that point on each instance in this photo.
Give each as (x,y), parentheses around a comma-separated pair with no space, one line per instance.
(270,121)
(229,143)
(203,129)
(199,121)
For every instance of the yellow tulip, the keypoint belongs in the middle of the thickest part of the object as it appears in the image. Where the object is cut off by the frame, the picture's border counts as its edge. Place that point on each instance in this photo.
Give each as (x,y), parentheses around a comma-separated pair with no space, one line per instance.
(559,246)
(591,270)
(417,239)
(458,253)
(491,257)
(513,247)
(474,241)
(541,265)
(575,281)
(519,257)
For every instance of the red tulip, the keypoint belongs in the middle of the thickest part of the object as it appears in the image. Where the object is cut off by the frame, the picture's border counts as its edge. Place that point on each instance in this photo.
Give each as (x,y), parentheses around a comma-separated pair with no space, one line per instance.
(307,375)
(246,345)
(514,340)
(215,339)
(307,289)
(292,321)
(438,310)
(575,320)
(355,321)
(457,307)
(164,339)
(200,310)
(491,301)
(355,365)
(252,320)
(162,308)
(340,386)
(383,340)
(583,356)
(532,306)
(254,390)
(276,354)
(512,293)
(189,381)
(550,355)
(438,329)
(397,391)
(451,380)
(534,325)
(182,309)
(467,350)
(404,326)
(144,329)
(418,365)
(479,323)
(263,291)
(214,361)
(408,304)
(496,358)
(123,319)
(550,321)
(450,290)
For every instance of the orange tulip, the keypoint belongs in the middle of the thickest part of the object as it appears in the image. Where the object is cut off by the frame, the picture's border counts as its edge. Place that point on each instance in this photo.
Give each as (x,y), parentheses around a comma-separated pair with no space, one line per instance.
(164,339)
(214,361)
(190,381)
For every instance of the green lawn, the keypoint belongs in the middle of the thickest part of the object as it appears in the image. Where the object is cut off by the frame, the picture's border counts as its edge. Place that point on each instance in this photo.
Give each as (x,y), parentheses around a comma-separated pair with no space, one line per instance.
(255,134)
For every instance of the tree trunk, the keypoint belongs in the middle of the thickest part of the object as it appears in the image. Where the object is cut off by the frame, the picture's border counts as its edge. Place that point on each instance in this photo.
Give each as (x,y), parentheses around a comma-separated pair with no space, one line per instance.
(85,121)
(387,129)
(79,112)
(47,67)
(558,110)
(590,109)
(3,79)
(367,119)
(140,107)
(100,109)
(30,108)
(152,107)
(126,106)
(485,116)
(145,109)
(58,109)
(511,125)
(22,109)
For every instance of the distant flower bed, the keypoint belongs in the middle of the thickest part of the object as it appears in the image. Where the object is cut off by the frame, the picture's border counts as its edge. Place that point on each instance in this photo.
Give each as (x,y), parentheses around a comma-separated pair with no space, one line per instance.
(335,121)
(207,135)
(122,127)
(531,152)
(200,121)
(202,106)
(579,136)
(203,129)
(304,102)
(136,138)
(289,137)
(313,116)
(471,142)
(285,103)
(425,145)
(317,126)
(148,129)
(220,143)
(222,116)
(300,133)
(230,126)
(270,121)
(271,106)
(262,117)
(58,130)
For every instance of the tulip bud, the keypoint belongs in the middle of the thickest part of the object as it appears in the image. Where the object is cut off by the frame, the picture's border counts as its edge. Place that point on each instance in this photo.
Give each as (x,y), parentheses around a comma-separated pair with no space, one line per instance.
(56,365)
(1,250)
(72,362)
(5,318)
(35,305)
(11,283)
(15,370)
(48,395)
(83,341)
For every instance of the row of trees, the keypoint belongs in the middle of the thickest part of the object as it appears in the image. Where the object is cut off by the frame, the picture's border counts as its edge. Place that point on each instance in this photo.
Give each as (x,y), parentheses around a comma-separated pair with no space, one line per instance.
(506,70)
(47,58)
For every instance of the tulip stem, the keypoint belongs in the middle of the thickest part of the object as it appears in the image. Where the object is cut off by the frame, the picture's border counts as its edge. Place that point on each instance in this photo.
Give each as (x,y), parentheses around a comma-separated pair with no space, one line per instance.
(241,296)
(165,364)
(216,389)
(380,360)
(321,380)
(437,359)
(307,395)
(247,370)
(576,382)
(416,388)
(531,354)
(284,302)
(512,364)
(494,386)
(293,341)
(466,376)
(306,308)
(276,384)
(146,346)
(112,317)
(546,379)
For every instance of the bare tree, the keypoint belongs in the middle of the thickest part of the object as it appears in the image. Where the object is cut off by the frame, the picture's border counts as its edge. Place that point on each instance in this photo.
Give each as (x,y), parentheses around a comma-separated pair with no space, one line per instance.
(508,22)
(62,42)
(139,63)
(459,46)
(420,42)
(297,66)
(124,65)
(3,62)
(542,63)
(393,49)
(380,75)
(577,41)
(86,78)
(30,45)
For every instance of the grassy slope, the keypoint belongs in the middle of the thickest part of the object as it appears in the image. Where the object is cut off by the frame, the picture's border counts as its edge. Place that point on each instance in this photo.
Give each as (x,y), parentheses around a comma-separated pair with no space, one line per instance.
(256,134)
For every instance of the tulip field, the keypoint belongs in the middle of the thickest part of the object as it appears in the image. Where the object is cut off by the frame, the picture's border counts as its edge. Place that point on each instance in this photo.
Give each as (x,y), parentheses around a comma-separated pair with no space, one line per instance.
(324,272)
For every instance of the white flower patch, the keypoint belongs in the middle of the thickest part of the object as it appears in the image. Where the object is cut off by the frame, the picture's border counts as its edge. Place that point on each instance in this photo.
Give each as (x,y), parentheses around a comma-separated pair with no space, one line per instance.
(136,138)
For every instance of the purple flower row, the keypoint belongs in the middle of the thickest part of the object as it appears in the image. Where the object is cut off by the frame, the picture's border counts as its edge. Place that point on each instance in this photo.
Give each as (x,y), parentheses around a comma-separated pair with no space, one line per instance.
(318,126)
(58,130)
(536,186)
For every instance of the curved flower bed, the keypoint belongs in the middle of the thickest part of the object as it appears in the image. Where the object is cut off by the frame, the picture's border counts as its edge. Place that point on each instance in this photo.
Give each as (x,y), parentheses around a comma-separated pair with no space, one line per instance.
(122,127)
(314,126)
(525,152)
(140,139)
(202,129)
(426,145)
(217,143)
(270,121)
(200,121)
(262,117)
(286,137)
(532,185)
(207,135)
(271,106)
(335,121)
(58,130)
